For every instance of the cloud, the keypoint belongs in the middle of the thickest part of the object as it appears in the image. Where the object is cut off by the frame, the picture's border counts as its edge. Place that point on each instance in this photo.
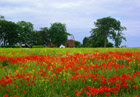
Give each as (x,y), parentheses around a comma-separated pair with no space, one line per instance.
(78,15)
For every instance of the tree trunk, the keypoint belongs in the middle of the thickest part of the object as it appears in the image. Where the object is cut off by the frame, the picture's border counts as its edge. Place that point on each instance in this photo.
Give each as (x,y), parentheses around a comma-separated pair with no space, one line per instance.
(105,43)
(4,42)
(105,40)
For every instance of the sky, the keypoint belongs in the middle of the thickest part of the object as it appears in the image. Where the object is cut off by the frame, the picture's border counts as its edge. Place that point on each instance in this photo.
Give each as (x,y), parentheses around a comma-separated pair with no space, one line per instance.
(78,15)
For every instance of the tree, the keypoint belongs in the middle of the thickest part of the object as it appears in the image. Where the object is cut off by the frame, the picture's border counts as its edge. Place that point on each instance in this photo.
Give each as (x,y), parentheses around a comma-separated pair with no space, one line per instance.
(2,17)
(107,27)
(97,39)
(109,44)
(58,34)
(25,30)
(118,38)
(34,38)
(40,37)
(88,42)
(44,36)
(8,32)
(77,43)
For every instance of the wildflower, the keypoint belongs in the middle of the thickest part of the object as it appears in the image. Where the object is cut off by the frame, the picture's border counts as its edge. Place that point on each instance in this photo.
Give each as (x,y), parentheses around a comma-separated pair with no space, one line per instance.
(107,94)
(125,85)
(78,94)
(34,76)
(117,85)
(16,96)
(75,91)
(6,95)
(24,91)
(135,86)
(115,92)
(83,89)
(88,93)
(61,83)
(28,84)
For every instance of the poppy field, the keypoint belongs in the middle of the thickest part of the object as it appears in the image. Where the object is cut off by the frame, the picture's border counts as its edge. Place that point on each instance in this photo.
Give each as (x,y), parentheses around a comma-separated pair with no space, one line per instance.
(70,72)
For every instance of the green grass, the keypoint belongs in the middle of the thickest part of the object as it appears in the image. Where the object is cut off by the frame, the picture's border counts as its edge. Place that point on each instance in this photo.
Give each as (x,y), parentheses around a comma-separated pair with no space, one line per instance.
(72,59)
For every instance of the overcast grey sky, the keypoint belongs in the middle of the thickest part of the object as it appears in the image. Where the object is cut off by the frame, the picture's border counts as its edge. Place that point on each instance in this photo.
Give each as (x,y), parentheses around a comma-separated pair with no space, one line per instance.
(78,15)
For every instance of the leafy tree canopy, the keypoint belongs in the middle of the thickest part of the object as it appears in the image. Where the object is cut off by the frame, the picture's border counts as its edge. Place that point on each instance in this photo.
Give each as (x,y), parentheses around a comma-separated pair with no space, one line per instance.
(2,17)
(107,27)
(58,34)
(77,43)
(8,32)
(25,30)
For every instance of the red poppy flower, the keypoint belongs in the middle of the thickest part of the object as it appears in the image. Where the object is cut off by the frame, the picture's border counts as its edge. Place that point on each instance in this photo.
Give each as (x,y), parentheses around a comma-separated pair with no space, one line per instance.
(107,94)
(16,96)
(24,91)
(115,92)
(75,91)
(135,86)
(6,95)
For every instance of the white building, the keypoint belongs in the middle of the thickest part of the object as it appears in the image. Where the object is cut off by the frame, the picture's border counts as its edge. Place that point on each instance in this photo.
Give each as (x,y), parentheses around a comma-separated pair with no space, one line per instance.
(62,46)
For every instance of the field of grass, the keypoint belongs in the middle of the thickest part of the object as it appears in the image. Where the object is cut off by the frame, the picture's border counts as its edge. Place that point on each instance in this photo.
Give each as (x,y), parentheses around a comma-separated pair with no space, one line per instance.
(70,72)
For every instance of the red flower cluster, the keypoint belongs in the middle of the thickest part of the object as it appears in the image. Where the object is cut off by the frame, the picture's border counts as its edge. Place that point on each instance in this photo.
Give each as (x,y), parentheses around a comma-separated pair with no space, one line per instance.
(103,74)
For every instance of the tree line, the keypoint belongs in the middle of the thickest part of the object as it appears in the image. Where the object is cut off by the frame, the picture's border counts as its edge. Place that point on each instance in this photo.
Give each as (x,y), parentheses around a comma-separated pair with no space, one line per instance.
(12,33)
(23,32)
(106,28)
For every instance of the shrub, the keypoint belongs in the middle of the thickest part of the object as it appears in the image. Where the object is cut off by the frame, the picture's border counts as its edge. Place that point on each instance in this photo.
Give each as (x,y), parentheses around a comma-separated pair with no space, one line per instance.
(109,44)
(38,46)
(5,63)
(11,46)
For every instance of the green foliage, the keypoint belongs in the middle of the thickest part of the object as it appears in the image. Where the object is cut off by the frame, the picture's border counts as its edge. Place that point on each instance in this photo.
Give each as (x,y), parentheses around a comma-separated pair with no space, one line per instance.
(106,65)
(108,27)
(22,32)
(25,30)
(99,42)
(41,37)
(87,42)
(118,39)
(11,46)
(2,17)
(38,46)
(93,42)
(77,44)
(58,34)
(44,36)
(109,44)
(8,32)
(5,63)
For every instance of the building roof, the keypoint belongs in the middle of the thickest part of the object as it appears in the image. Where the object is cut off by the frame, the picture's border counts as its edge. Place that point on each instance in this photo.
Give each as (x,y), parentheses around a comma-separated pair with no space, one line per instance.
(70,43)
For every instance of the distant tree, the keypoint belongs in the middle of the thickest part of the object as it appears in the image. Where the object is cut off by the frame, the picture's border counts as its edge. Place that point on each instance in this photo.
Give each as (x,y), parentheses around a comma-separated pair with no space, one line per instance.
(107,27)
(2,17)
(8,32)
(40,37)
(25,30)
(99,42)
(88,42)
(34,38)
(118,38)
(97,39)
(77,43)
(85,42)
(109,44)
(58,34)
(44,36)
(93,41)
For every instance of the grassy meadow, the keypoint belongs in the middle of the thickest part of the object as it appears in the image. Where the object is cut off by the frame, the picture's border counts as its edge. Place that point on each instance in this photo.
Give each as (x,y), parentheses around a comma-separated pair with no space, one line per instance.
(70,72)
